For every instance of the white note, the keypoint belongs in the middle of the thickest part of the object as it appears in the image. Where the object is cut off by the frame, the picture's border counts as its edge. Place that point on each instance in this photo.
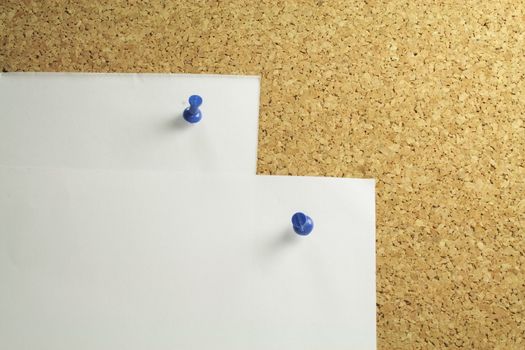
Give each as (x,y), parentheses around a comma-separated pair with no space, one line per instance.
(128,121)
(98,259)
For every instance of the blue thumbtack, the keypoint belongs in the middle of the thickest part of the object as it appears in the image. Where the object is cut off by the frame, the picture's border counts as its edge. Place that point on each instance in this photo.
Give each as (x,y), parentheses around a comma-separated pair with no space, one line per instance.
(193,114)
(302,224)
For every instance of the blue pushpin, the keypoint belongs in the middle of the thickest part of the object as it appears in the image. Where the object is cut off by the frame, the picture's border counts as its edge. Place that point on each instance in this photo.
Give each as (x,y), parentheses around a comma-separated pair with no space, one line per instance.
(193,114)
(302,224)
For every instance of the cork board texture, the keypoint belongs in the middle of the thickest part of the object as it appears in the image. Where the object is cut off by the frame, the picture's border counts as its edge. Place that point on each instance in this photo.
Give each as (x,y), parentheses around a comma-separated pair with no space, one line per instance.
(428,97)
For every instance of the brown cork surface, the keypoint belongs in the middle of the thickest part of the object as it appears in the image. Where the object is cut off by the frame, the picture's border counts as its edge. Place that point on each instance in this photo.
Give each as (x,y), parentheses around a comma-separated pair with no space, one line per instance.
(428,97)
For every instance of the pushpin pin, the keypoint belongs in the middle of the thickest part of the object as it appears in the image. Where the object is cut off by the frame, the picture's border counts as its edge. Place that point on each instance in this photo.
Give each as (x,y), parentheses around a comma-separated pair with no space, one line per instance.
(193,114)
(302,224)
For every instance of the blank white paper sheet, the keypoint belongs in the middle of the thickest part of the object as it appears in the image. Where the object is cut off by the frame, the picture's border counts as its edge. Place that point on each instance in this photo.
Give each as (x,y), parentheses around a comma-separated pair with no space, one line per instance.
(98,259)
(128,121)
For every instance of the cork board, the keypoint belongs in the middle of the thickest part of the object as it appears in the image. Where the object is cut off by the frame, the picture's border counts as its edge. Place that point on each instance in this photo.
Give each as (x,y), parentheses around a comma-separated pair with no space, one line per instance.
(425,96)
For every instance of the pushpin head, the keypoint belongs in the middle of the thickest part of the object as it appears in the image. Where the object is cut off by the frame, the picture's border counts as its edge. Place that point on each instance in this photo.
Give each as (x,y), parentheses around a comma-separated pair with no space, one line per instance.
(193,114)
(302,224)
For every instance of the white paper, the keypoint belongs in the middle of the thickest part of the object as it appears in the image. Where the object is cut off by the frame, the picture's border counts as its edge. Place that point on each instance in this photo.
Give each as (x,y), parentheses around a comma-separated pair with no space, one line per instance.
(157,260)
(128,121)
